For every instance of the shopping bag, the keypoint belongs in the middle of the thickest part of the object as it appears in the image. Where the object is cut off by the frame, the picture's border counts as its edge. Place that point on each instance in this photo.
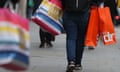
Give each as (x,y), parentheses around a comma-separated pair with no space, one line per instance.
(100,26)
(107,30)
(49,16)
(93,28)
(14,41)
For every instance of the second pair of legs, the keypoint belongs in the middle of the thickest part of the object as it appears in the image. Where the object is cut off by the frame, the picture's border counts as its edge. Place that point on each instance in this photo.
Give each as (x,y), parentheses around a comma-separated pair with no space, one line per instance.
(46,44)
(46,38)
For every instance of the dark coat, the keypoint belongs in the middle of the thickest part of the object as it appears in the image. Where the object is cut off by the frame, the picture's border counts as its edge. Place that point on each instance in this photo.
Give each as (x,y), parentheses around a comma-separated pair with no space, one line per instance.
(36,4)
(113,7)
(2,2)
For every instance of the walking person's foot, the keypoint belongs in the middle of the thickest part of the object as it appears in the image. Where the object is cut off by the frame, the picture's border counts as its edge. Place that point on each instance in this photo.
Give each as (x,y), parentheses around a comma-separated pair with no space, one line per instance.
(49,44)
(42,45)
(70,67)
(91,48)
(78,67)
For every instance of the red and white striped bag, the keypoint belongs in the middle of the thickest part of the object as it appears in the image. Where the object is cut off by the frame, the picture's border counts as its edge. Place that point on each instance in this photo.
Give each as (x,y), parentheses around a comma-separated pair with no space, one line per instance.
(14,41)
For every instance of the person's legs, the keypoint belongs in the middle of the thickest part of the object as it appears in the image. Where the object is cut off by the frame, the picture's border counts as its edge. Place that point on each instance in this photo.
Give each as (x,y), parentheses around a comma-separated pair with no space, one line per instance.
(82,28)
(42,38)
(49,38)
(71,33)
(29,12)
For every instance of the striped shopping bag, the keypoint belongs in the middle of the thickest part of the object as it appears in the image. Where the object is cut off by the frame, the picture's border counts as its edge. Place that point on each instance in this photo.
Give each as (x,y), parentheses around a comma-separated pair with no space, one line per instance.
(49,16)
(14,41)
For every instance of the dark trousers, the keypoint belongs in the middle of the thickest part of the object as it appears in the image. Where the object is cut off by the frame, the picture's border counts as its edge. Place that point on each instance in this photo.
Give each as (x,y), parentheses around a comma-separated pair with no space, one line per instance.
(45,36)
(75,25)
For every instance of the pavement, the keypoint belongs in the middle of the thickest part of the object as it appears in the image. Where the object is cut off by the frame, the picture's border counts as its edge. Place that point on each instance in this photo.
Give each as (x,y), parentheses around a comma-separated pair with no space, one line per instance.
(102,59)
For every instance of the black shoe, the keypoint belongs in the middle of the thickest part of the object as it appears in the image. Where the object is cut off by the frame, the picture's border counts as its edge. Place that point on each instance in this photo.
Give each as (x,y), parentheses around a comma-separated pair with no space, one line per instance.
(70,67)
(91,48)
(42,45)
(118,22)
(49,44)
(78,67)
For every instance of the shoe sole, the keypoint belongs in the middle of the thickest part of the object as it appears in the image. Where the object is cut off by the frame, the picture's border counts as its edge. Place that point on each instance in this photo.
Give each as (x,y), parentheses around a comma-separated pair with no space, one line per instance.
(70,69)
(78,69)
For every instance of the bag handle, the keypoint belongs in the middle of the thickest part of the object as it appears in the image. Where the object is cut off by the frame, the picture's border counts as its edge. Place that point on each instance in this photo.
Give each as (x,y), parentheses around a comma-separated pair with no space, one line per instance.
(101,5)
(9,5)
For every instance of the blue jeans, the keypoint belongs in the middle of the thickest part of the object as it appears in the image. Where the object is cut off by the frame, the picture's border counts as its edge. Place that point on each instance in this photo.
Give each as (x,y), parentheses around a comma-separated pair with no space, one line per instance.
(75,25)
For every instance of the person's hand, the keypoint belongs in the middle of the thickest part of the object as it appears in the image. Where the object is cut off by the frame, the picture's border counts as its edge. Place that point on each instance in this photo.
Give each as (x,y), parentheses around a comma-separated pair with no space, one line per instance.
(117,17)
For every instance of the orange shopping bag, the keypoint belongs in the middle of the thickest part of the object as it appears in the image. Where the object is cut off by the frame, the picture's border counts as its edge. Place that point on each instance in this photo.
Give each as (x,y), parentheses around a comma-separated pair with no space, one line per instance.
(93,28)
(107,31)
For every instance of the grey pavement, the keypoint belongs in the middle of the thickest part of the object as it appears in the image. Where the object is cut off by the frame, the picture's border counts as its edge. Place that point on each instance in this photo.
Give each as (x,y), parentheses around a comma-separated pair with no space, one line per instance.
(102,59)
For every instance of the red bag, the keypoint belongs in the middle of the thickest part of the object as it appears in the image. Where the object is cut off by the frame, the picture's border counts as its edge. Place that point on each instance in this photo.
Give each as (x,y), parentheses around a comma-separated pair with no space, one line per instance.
(107,31)
(92,31)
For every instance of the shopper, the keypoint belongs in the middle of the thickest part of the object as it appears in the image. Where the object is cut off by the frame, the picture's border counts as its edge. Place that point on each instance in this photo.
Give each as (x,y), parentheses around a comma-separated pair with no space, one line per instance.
(46,38)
